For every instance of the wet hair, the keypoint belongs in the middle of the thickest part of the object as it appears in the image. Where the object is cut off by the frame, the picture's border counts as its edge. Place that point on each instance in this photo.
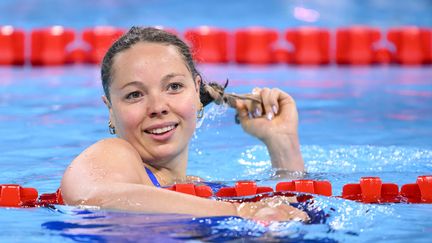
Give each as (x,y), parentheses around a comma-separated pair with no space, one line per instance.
(153,35)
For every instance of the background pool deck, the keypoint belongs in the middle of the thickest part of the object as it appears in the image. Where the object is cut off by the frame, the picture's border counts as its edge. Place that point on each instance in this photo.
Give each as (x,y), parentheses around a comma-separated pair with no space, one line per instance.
(220,13)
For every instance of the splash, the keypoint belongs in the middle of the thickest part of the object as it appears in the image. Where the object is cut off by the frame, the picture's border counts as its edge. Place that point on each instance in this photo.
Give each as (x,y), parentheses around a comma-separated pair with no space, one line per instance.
(361,158)
(212,113)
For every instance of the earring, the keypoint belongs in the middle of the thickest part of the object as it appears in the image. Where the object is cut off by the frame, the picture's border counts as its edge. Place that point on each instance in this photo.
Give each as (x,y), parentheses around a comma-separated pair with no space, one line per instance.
(200,112)
(111,128)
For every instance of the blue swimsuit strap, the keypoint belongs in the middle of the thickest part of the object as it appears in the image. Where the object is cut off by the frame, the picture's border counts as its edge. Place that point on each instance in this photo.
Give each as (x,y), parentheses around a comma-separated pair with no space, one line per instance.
(152,177)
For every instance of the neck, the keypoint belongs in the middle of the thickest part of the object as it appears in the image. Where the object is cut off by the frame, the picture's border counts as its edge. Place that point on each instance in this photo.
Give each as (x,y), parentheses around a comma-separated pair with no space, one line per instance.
(169,171)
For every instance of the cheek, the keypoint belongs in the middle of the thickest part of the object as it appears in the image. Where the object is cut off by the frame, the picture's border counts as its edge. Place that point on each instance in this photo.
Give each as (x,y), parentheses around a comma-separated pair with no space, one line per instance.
(128,117)
(187,109)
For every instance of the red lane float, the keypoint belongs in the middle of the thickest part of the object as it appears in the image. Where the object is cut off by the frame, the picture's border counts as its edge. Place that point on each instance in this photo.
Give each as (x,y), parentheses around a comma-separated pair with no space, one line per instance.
(248,191)
(369,190)
(12,195)
(372,190)
(355,45)
(50,198)
(99,39)
(254,45)
(281,55)
(191,189)
(420,192)
(413,45)
(241,189)
(248,188)
(383,55)
(49,45)
(77,55)
(311,45)
(209,45)
(309,186)
(11,46)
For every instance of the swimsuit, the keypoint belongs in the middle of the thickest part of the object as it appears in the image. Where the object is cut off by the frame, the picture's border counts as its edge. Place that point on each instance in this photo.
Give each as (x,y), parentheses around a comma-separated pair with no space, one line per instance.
(215,186)
(152,177)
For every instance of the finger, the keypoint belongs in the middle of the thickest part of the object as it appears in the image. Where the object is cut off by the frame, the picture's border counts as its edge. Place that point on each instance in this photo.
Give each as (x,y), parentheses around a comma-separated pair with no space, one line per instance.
(256,91)
(253,108)
(284,97)
(257,109)
(242,111)
(271,102)
(256,106)
(267,103)
(274,100)
(293,213)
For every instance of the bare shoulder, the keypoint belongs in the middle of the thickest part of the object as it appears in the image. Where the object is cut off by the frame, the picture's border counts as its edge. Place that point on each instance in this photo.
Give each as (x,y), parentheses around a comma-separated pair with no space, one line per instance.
(106,161)
(109,152)
(117,144)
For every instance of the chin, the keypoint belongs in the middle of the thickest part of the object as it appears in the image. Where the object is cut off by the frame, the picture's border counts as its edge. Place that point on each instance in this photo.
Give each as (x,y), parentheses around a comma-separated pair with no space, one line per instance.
(165,153)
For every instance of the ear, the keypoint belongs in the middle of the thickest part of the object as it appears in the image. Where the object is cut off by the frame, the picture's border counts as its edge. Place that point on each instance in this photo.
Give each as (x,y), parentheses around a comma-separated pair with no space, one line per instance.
(198,81)
(106,101)
(109,106)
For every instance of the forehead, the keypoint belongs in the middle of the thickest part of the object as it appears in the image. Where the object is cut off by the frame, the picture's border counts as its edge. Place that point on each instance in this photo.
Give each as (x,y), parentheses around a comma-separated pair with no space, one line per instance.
(150,49)
(149,60)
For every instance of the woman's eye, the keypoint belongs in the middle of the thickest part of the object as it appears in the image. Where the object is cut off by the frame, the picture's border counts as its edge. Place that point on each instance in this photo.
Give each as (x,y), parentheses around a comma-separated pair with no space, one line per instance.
(175,86)
(133,95)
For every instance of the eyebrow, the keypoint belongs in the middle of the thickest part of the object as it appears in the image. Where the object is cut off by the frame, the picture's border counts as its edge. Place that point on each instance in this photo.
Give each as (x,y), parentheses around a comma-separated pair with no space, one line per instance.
(164,79)
(170,76)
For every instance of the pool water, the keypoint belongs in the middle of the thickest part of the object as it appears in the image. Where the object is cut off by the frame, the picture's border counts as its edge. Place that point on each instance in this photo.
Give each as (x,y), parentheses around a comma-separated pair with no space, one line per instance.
(354,122)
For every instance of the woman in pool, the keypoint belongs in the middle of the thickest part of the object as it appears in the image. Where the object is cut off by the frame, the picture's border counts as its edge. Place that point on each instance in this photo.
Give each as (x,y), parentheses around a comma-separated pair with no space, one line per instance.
(154,94)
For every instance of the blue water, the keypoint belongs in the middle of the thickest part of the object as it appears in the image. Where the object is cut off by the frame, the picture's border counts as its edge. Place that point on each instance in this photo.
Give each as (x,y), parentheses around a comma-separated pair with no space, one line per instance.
(354,122)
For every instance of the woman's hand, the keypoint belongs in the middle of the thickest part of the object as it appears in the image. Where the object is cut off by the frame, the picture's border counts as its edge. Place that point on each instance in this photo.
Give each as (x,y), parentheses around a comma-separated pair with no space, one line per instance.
(272,209)
(276,115)
(275,122)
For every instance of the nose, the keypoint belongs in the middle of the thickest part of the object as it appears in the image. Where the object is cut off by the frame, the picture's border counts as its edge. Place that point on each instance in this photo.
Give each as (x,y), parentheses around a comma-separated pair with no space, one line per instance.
(157,107)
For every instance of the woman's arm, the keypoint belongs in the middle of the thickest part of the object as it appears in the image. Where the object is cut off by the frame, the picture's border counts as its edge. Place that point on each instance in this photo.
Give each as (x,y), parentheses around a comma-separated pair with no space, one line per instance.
(275,122)
(110,174)
(145,198)
(107,175)
(285,153)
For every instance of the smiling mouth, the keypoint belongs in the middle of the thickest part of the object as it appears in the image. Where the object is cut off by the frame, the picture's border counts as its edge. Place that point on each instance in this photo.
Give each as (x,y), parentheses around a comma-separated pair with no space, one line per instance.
(162,130)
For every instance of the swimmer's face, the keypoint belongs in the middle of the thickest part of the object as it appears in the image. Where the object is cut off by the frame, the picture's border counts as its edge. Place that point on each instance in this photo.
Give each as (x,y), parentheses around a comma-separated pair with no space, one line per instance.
(154,101)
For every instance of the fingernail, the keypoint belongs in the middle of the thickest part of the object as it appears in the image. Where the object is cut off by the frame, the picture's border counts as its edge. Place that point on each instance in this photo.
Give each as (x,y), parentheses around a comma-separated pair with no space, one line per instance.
(254,91)
(257,112)
(274,108)
(270,116)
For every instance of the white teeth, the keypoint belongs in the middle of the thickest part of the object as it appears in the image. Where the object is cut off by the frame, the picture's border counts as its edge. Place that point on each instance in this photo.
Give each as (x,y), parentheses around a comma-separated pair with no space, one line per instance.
(161,130)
